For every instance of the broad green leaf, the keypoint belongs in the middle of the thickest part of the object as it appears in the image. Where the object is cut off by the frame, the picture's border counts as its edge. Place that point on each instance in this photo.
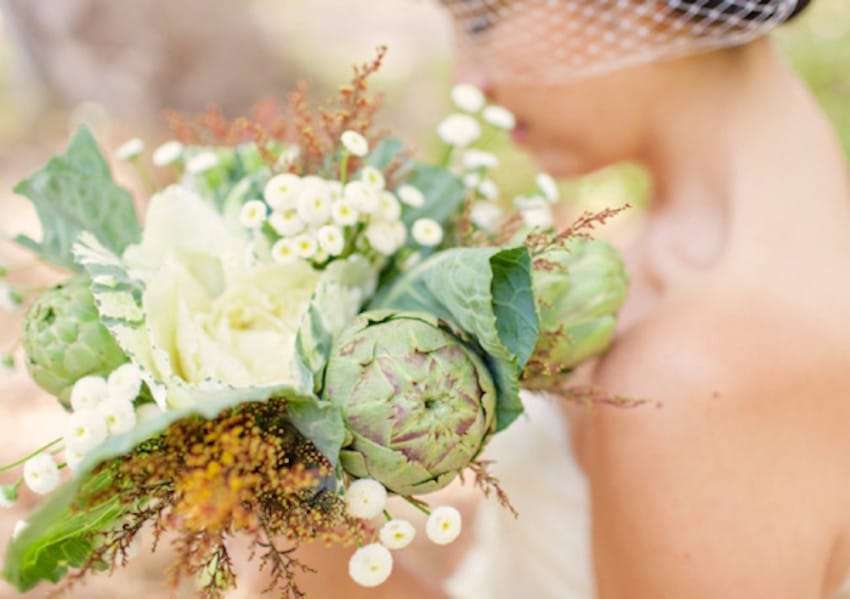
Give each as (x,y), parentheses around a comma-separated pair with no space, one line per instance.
(73,193)
(487,293)
(384,153)
(444,193)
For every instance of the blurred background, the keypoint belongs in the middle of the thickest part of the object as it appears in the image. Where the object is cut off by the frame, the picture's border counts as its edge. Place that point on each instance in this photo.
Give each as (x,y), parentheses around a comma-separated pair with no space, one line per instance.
(117,64)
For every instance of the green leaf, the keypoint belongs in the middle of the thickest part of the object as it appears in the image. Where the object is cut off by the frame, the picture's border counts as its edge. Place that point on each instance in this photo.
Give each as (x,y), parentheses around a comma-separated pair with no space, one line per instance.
(73,193)
(444,193)
(487,293)
(384,153)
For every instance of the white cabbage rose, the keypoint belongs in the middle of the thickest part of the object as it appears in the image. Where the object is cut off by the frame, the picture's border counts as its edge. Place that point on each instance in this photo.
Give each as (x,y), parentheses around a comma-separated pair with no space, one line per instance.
(214,315)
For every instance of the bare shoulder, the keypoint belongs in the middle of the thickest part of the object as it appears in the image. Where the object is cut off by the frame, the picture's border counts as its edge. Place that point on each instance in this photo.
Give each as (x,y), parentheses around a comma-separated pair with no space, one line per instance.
(738,483)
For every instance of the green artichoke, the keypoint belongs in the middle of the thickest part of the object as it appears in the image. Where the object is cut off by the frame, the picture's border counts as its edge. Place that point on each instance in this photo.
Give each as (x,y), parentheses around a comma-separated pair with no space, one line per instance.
(418,402)
(64,339)
(578,289)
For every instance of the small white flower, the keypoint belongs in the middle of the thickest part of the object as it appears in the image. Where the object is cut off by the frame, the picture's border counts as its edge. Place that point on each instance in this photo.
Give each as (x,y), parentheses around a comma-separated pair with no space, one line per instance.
(385,237)
(363,197)
(8,496)
(489,189)
(168,153)
(305,245)
(370,565)
(10,300)
(500,117)
(201,162)
(475,159)
(147,412)
(130,149)
(427,232)
(119,415)
(88,392)
(443,525)
(343,213)
(281,191)
(20,526)
(548,187)
(283,251)
(411,196)
(459,130)
(365,498)
(472,180)
(397,534)
(287,222)
(373,177)
(468,97)
(538,218)
(486,215)
(253,214)
(388,207)
(73,458)
(125,382)
(41,474)
(86,430)
(331,240)
(314,203)
(355,143)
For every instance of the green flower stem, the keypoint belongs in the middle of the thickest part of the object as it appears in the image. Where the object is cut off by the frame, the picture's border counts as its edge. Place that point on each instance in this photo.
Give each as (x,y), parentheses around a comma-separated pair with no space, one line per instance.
(388,515)
(446,158)
(419,505)
(8,467)
(343,167)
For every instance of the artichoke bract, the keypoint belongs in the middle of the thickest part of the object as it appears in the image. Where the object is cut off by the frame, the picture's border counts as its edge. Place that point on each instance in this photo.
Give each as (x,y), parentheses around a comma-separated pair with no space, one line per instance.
(578,289)
(64,339)
(418,402)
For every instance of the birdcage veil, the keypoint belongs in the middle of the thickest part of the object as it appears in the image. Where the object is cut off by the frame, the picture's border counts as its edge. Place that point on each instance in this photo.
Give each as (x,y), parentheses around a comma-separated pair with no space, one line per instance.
(560,40)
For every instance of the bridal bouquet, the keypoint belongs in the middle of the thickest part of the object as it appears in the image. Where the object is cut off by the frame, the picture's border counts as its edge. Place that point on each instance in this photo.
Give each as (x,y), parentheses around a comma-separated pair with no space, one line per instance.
(309,321)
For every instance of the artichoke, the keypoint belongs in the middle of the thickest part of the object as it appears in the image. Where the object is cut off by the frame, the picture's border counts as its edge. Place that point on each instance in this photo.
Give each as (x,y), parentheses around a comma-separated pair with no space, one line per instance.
(418,402)
(578,288)
(64,339)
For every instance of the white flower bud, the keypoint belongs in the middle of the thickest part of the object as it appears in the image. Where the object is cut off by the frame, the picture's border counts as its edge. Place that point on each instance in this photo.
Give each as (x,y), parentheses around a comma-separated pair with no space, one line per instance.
(41,474)
(125,382)
(86,430)
(427,232)
(20,526)
(331,240)
(130,149)
(73,458)
(168,153)
(386,237)
(536,212)
(500,117)
(286,223)
(365,498)
(373,178)
(283,251)
(88,392)
(486,215)
(314,203)
(548,187)
(397,534)
(281,191)
(443,525)
(474,159)
(467,97)
(201,163)
(459,130)
(472,180)
(253,214)
(343,213)
(388,207)
(363,197)
(119,415)
(371,565)
(489,189)
(411,196)
(355,143)
(147,412)
(305,245)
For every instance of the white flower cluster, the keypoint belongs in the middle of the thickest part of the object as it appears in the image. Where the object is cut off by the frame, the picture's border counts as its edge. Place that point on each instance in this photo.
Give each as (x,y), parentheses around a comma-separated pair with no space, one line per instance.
(101,407)
(372,564)
(318,219)
(462,129)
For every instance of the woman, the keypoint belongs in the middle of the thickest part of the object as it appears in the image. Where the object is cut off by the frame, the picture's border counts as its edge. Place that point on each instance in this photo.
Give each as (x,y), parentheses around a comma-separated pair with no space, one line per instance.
(738,485)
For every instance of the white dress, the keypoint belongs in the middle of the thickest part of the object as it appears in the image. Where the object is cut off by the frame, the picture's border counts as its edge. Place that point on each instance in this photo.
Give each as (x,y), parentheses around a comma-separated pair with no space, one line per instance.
(545,553)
